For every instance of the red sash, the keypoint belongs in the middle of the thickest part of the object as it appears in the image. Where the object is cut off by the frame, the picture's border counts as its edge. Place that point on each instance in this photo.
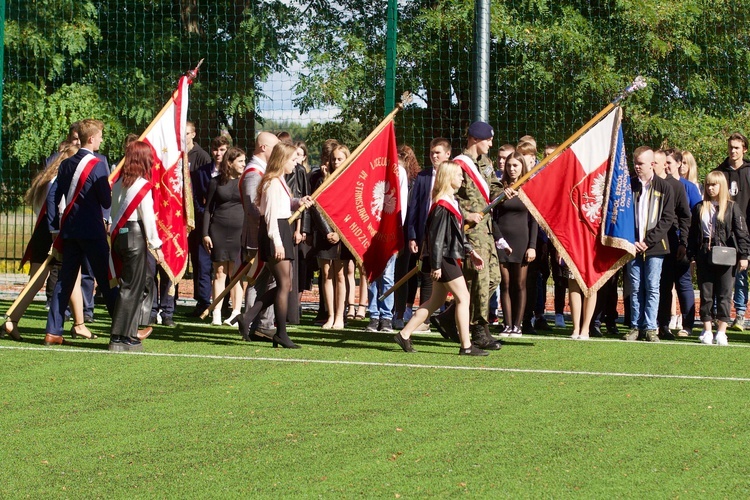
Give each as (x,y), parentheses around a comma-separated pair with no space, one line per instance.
(115,264)
(468,166)
(39,219)
(84,168)
(456,213)
(451,208)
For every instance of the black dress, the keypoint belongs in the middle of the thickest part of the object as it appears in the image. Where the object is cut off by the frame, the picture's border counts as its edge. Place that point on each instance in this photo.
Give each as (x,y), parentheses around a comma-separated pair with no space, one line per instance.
(223,219)
(517,226)
(320,227)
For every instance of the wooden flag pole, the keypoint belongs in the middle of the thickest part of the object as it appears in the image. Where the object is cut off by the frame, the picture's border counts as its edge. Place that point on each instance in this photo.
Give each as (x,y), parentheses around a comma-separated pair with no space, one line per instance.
(406,98)
(191,74)
(241,272)
(637,84)
(399,283)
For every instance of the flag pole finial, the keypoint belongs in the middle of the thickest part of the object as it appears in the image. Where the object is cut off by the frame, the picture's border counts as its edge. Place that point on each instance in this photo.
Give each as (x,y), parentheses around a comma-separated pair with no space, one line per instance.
(193,73)
(406,99)
(638,84)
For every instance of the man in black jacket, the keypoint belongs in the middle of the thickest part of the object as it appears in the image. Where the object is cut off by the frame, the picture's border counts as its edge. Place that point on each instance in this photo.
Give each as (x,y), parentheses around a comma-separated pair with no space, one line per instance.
(737,171)
(654,216)
(677,236)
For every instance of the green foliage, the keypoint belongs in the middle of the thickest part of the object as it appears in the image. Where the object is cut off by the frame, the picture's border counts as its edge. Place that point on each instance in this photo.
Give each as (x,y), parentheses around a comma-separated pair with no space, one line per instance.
(554,64)
(120,61)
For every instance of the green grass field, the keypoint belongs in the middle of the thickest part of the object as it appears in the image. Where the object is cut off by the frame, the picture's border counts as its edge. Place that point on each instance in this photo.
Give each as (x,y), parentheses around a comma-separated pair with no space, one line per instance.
(202,414)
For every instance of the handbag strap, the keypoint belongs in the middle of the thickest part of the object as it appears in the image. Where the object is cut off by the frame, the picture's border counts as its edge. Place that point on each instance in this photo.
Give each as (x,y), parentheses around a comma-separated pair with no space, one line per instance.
(711,218)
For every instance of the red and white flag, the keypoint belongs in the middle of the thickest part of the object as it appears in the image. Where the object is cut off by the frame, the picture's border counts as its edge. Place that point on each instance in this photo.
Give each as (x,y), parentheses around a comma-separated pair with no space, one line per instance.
(583,201)
(170,177)
(363,204)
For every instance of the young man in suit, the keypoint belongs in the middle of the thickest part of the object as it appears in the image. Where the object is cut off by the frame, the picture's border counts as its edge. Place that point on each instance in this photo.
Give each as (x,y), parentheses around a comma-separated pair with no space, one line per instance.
(83,184)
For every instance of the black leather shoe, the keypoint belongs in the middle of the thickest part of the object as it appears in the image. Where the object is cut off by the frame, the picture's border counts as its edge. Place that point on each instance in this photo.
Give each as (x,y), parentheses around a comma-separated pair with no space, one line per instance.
(472,351)
(404,343)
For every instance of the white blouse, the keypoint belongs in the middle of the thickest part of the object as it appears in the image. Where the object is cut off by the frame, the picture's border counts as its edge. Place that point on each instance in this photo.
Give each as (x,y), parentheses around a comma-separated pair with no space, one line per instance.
(277,203)
(144,212)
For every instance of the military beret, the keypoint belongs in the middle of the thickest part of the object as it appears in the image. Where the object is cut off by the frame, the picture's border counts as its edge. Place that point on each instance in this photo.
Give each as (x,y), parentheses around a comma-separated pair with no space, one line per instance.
(481,131)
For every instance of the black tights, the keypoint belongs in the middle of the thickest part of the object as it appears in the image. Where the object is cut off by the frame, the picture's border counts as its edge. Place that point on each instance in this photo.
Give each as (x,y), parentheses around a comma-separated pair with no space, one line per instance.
(278,296)
(513,292)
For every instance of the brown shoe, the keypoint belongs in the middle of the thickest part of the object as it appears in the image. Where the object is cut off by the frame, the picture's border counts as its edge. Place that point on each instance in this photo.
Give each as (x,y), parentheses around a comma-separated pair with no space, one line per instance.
(144,333)
(632,335)
(653,335)
(50,339)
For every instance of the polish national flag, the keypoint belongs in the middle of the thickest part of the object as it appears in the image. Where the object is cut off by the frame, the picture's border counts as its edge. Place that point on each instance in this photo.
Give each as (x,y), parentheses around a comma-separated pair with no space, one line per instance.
(583,201)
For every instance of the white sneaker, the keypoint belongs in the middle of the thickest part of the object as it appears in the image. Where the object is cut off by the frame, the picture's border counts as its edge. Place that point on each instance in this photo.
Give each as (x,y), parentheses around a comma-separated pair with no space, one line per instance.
(721,338)
(673,322)
(216,318)
(158,317)
(230,320)
(559,321)
(707,338)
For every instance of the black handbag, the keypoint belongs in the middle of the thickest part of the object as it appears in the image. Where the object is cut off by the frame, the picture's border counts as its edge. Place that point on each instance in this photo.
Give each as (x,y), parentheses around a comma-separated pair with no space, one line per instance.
(723,256)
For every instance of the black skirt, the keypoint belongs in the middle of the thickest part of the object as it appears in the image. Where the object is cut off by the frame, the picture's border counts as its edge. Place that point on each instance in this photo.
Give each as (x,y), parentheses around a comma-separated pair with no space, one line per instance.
(40,243)
(450,269)
(266,248)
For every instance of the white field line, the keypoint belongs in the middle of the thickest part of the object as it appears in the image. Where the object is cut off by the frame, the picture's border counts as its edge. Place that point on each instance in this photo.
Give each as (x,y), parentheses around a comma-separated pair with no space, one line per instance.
(388,365)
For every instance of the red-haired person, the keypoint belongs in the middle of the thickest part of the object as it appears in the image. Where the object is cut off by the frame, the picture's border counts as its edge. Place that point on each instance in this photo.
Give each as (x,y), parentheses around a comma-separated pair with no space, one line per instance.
(133,233)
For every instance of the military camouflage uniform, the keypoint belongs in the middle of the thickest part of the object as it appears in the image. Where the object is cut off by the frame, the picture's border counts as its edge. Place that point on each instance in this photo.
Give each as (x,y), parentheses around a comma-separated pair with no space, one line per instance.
(481,283)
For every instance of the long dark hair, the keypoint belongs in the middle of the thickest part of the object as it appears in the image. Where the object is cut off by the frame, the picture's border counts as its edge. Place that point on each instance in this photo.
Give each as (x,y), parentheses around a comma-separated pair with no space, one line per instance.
(506,182)
(224,168)
(138,162)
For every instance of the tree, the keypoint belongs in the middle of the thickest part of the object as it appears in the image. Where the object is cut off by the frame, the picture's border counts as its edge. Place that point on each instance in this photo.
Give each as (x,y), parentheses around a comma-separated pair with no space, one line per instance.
(119,60)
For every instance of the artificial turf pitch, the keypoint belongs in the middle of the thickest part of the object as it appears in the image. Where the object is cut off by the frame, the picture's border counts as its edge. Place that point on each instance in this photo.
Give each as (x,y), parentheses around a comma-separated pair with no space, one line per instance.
(202,414)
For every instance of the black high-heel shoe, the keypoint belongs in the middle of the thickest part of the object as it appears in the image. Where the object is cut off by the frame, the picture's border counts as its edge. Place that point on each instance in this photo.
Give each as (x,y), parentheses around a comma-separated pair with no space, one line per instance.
(285,343)
(74,334)
(13,331)
(244,328)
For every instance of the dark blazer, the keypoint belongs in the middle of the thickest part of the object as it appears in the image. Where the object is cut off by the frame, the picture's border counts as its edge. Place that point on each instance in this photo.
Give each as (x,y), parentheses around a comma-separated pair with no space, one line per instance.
(678,234)
(201,178)
(445,237)
(86,219)
(420,200)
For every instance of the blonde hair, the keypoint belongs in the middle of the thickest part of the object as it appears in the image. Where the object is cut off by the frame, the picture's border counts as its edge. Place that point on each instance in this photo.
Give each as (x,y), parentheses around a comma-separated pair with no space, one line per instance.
(330,168)
(689,160)
(443,178)
(280,154)
(38,191)
(723,196)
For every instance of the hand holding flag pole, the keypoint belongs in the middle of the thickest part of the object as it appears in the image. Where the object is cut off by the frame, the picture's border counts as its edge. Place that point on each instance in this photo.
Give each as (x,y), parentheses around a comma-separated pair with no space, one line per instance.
(637,84)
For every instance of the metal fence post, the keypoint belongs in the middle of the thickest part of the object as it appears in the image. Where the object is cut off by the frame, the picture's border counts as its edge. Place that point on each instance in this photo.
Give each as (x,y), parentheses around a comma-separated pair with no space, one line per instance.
(390,57)
(480,100)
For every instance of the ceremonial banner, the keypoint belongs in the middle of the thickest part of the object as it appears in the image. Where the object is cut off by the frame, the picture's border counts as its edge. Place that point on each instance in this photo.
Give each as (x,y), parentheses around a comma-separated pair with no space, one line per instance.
(583,201)
(170,177)
(363,205)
